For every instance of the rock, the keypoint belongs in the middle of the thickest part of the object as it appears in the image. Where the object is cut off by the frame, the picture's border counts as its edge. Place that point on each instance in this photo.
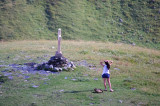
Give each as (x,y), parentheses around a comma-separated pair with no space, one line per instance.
(33,104)
(120,101)
(46,67)
(74,79)
(45,83)
(60,69)
(117,69)
(69,65)
(72,65)
(65,68)
(96,79)
(133,44)
(133,89)
(61,90)
(51,67)
(48,71)
(35,86)
(120,20)
(35,66)
(56,69)
(91,104)
(24,67)
(65,77)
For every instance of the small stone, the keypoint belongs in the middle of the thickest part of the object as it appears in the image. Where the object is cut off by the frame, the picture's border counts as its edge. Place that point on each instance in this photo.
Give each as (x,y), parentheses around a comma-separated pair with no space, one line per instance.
(45,83)
(133,89)
(33,104)
(110,99)
(46,66)
(117,69)
(69,65)
(120,101)
(120,20)
(48,71)
(74,79)
(60,69)
(35,66)
(51,67)
(96,79)
(65,68)
(61,90)
(91,104)
(35,86)
(133,44)
(65,78)
(56,69)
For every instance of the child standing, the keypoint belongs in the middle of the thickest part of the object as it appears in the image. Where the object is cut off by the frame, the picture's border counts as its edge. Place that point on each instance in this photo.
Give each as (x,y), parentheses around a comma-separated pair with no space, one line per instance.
(106,73)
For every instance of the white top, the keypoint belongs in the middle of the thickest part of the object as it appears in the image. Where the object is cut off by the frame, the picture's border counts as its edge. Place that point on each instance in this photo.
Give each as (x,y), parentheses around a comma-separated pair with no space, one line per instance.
(105,70)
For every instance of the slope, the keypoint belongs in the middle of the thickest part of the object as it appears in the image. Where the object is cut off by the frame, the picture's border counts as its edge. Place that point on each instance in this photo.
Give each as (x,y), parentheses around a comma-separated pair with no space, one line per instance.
(128,21)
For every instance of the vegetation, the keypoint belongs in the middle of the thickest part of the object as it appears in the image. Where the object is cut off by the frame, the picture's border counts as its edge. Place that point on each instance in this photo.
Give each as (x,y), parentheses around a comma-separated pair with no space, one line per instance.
(127,21)
(134,75)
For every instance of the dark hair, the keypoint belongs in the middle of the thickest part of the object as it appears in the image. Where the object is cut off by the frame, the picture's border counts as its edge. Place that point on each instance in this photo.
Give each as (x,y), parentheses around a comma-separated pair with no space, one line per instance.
(108,65)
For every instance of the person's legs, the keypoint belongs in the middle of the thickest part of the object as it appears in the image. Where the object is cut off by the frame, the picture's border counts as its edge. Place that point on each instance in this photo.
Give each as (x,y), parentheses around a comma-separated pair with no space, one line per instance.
(104,80)
(109,83)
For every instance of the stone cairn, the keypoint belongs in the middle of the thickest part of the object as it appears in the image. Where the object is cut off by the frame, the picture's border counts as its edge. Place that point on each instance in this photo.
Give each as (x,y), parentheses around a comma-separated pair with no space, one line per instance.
(58,62)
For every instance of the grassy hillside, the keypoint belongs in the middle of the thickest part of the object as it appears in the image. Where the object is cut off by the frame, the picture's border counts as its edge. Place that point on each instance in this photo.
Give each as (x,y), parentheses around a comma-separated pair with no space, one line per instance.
(128,21)
(135,75)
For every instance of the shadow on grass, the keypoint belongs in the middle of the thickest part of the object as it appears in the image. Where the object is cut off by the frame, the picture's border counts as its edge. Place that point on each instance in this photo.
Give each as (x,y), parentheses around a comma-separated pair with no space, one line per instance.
(92,91)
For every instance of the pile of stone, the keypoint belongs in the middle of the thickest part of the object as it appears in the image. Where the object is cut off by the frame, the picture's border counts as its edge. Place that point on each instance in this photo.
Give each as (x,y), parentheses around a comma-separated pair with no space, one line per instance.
(56,64)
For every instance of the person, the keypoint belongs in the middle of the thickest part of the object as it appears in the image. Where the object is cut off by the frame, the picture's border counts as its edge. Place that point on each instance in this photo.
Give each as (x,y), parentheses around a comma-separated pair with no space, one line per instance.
(106,73)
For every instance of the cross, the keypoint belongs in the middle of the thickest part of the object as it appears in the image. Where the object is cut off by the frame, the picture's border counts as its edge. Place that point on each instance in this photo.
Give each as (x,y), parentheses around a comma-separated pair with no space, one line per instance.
(58,52)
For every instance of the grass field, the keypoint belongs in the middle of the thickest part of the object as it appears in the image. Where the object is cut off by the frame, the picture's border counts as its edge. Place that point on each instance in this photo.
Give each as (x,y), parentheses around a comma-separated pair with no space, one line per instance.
(135,75)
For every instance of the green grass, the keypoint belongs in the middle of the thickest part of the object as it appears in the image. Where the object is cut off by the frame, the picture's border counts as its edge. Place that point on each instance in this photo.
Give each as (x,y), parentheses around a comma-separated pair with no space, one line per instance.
(131,21)
(138,68)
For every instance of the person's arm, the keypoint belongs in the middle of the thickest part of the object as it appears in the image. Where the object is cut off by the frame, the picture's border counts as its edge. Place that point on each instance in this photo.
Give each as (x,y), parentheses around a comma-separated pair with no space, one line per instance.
(101,63)
(109,61)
